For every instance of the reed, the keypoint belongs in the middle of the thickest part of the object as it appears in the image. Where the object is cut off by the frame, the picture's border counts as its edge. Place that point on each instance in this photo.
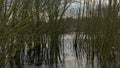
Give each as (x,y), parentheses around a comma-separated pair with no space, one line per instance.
(31,32)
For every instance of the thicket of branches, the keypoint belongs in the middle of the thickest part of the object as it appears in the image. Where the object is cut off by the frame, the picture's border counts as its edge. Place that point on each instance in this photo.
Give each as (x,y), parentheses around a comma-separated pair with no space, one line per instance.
(38,25)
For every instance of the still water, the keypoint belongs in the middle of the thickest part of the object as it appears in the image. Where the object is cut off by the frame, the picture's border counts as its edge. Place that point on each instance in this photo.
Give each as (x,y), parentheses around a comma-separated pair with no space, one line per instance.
(70,60)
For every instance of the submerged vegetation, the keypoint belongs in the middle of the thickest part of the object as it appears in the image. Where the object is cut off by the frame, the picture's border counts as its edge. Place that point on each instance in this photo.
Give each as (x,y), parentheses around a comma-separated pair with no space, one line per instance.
(32,32)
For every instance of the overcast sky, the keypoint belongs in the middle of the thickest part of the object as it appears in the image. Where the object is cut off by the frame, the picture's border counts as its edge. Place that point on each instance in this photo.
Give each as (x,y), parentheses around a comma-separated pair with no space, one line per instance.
(76,5)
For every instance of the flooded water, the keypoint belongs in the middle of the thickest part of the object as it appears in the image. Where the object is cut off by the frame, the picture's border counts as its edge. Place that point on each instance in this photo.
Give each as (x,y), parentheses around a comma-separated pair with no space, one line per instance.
(68,54)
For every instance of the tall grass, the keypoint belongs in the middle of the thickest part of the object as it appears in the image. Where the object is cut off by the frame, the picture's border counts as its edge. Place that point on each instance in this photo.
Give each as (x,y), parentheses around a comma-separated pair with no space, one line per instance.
(101,33)
(31,32)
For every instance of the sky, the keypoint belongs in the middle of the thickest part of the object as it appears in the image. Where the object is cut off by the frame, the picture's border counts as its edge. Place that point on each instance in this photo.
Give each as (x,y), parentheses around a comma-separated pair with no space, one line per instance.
(76,5)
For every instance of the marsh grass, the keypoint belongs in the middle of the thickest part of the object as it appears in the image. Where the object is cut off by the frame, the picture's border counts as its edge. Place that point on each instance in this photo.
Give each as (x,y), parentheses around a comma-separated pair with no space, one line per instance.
(31,32)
